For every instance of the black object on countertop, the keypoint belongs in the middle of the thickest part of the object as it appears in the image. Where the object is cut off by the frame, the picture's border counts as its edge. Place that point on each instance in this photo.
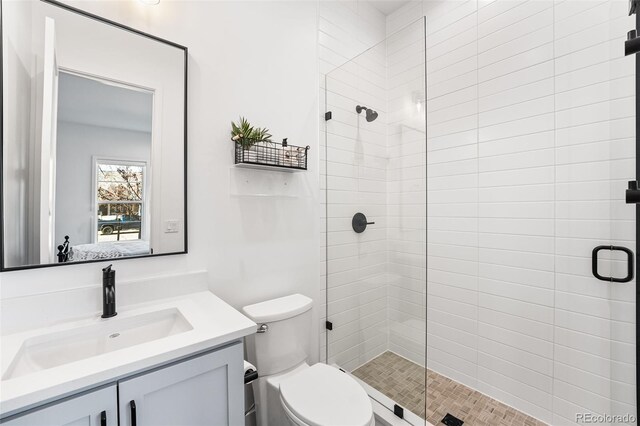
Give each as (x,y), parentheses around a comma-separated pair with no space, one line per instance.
(108,292)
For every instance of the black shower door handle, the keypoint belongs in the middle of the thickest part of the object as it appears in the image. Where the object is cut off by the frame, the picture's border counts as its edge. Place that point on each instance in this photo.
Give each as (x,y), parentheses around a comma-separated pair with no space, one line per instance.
(594,264)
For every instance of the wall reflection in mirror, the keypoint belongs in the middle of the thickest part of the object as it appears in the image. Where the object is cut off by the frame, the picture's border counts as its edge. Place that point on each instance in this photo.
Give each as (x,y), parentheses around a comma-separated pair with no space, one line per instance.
(93,141)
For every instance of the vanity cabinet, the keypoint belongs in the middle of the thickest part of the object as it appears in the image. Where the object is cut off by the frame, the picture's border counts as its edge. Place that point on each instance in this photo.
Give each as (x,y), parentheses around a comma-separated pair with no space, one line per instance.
(205,390)
(202,390)
(95,408)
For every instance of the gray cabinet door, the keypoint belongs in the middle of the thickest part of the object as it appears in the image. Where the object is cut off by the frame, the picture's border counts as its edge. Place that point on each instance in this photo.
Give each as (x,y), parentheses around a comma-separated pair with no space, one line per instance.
(205,390)
(96,408)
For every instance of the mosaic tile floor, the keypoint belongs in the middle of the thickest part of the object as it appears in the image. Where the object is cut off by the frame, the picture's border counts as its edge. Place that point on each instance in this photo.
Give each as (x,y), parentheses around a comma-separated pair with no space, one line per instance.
(403,381)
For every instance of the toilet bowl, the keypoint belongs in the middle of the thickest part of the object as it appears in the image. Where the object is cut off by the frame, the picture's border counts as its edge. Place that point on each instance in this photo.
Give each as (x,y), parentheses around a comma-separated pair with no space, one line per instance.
(289,391)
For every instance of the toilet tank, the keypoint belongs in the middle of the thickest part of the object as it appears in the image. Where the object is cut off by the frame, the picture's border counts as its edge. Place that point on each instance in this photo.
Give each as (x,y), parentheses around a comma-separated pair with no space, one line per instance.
(287,340)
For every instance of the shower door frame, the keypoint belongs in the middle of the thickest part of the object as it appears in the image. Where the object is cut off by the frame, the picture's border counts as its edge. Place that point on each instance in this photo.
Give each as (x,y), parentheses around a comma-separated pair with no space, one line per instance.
(637,256)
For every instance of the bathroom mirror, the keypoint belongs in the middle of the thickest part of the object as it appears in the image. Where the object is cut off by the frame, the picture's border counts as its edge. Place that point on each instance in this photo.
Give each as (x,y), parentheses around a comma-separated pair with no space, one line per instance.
(93,139)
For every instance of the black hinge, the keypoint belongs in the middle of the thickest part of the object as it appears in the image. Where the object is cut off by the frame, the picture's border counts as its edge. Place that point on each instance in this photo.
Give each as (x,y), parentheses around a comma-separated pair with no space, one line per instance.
(327,116)
(398,411)
(633,193)
(328,325)
(632,44)
(451,420)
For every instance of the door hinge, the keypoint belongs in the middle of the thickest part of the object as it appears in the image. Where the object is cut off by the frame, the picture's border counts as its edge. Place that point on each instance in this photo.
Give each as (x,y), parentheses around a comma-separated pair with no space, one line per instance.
(632,44)
(633,193)
(328,325)
(398,411)
(327,116)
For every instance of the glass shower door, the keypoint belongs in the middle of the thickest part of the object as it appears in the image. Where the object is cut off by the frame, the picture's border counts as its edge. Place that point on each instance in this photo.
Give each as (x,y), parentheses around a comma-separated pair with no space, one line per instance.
(531,143)
(376,221)
(594,355)
(594,358)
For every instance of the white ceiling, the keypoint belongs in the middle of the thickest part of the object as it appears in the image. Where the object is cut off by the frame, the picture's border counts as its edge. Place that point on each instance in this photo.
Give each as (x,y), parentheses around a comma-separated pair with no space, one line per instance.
(387,6)
(92,102)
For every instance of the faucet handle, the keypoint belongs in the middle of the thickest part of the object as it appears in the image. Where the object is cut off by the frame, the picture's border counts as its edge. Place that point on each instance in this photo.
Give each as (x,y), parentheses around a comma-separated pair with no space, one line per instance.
(108,292)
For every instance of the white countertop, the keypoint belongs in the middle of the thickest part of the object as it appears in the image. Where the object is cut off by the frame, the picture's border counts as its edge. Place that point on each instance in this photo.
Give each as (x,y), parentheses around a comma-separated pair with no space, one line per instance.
(214,323)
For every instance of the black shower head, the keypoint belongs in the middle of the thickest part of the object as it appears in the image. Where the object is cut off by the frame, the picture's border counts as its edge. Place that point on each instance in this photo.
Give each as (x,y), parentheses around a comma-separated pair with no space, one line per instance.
(370,114)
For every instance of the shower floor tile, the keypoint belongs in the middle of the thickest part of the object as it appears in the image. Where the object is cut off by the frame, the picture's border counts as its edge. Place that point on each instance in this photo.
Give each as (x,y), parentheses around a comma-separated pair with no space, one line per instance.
(403,381)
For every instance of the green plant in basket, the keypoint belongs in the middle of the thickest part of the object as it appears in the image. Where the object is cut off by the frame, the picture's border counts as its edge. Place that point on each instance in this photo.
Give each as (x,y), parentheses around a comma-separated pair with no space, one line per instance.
(247,135)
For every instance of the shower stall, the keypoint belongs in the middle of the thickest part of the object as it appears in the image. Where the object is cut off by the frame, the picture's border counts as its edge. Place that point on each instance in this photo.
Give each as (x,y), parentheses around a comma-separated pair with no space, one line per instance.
(479,250)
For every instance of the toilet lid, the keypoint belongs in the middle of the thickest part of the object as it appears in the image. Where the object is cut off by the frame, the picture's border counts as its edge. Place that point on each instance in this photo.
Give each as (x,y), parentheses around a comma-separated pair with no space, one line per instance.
(322,395)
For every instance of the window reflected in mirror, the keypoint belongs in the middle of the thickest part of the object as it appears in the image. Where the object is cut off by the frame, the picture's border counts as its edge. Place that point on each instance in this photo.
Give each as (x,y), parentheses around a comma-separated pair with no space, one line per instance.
(121,201)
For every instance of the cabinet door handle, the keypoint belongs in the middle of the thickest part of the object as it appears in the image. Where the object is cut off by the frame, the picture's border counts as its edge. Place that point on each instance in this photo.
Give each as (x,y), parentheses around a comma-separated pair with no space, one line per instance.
(103,418)
(132,404)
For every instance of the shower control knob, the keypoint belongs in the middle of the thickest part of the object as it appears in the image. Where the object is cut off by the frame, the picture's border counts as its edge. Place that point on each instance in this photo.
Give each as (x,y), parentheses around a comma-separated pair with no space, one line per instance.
(359,223)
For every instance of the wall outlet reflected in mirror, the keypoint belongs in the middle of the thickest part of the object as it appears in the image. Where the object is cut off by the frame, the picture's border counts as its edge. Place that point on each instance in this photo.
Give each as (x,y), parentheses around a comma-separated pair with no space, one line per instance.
(172,226)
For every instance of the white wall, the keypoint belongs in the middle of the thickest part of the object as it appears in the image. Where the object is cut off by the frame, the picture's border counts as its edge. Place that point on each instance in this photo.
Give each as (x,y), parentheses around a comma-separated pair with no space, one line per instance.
(255,232)
(78,145)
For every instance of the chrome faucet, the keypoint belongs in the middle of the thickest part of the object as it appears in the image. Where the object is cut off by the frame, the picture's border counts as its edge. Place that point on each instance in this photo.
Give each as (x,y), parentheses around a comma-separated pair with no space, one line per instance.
(108,292)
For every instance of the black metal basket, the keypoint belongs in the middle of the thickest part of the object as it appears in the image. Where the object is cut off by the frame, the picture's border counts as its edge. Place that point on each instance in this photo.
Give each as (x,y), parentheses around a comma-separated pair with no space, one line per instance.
(271,154)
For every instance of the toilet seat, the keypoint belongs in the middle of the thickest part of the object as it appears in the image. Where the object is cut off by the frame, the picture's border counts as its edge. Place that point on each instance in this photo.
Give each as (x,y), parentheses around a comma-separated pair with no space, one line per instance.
(296,421)
(322,395)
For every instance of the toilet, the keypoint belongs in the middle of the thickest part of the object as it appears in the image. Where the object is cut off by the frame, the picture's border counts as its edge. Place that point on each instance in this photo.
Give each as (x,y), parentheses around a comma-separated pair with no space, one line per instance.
(289,391)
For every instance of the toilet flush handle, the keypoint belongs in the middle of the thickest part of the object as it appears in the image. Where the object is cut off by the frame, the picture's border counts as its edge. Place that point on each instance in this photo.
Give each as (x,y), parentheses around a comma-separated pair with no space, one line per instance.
(263,328)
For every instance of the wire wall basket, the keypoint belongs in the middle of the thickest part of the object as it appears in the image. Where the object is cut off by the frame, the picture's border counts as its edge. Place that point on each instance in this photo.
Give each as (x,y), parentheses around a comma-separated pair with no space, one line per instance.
(272,154)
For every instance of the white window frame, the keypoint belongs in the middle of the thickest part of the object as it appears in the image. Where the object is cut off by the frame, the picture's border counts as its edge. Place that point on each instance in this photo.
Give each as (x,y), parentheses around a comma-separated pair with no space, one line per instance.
(146,202)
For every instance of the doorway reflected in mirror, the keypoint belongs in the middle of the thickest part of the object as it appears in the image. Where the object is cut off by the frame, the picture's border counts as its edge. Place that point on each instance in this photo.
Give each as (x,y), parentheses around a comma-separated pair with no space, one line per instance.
(104,146)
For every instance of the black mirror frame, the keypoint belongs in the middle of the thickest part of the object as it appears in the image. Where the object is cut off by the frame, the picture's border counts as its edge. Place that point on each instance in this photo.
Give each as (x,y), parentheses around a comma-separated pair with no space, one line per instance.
(3,267)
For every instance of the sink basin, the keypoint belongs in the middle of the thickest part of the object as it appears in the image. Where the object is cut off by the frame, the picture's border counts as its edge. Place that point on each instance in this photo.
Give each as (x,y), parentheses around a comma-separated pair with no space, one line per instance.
(52,350)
